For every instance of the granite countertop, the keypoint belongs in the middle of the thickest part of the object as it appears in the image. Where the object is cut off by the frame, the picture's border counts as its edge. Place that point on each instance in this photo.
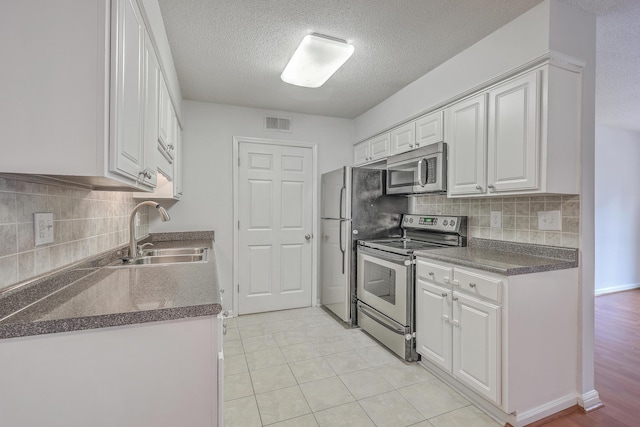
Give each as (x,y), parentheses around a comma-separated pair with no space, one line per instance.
(506,258)
(100,293)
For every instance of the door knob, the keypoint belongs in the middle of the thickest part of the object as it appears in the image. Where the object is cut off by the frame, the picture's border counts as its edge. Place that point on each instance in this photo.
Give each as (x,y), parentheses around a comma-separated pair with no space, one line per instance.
(307,236)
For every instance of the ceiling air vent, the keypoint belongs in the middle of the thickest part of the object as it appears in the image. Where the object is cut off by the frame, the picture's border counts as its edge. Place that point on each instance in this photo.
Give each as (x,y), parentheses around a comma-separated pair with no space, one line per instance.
(282,124)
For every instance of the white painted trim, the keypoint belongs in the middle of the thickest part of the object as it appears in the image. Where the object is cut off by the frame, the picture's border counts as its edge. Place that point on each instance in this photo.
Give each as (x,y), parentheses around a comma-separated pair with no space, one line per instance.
(589,400)
(315,225)
(619,288)
(545,410)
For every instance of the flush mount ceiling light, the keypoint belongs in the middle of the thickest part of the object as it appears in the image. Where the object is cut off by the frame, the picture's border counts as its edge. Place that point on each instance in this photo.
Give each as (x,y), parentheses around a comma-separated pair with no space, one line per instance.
(315,60)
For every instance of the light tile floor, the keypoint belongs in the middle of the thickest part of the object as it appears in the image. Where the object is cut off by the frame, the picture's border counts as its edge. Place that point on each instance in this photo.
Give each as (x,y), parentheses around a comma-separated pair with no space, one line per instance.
(302,368)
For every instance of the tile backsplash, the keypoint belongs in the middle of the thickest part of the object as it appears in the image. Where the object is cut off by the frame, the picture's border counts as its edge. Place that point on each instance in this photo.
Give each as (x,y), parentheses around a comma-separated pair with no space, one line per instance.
(519,216)
(86,223)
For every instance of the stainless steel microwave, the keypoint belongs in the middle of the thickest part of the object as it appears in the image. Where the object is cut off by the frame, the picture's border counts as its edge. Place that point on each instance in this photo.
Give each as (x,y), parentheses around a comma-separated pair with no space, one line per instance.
(423,170)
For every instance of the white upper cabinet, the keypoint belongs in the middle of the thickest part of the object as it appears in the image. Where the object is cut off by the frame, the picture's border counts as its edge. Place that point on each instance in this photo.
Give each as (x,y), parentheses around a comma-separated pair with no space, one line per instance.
(127,96)
(514,149)
(429,129)
(403,138)
(150,132)
(467,139)
(371,150)
(524,142)
(89,117)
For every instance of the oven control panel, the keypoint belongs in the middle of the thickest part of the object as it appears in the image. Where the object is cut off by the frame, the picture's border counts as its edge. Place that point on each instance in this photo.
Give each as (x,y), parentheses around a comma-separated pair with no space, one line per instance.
(444,223)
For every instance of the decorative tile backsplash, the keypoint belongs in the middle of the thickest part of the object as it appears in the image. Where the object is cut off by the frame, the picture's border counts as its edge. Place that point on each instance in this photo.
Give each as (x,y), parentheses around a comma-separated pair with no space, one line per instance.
(86,223)
(519,216)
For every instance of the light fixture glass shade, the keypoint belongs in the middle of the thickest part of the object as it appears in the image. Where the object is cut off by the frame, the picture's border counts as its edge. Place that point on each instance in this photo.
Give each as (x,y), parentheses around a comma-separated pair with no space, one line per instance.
(315,60)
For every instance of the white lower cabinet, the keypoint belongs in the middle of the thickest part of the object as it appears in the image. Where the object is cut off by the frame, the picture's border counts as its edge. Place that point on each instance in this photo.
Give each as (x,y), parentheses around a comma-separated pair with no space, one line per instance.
(160,374)
(508,343)
(458,332)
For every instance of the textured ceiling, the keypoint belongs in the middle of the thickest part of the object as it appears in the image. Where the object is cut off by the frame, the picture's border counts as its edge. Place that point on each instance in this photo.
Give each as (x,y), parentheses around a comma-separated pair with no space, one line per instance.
(233,51)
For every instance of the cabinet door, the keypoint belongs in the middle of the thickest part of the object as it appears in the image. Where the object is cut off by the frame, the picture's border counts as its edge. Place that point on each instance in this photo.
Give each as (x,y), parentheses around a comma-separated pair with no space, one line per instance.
(361,153)
(476,345)
(466,136)
(177,163)
(150,131)
(433,327)
(165,131)
(379,147)
(513,145)
(127,101)
(429,129)
(403,138)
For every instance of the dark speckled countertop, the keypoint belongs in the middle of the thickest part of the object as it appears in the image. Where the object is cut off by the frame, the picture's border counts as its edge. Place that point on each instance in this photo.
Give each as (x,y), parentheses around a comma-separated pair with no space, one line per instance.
(506,258)
(91,295)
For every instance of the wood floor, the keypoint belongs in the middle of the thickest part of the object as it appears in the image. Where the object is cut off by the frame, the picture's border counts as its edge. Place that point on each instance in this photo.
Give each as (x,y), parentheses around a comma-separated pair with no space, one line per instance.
(617,364)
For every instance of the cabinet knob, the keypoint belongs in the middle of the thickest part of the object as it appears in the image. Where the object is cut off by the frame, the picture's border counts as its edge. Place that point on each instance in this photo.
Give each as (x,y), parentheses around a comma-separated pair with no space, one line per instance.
(431,273)
(145,174)
(455,298)
(417,144)
(170,147)
(491,187)
(479,188)
(444,295)
(472,285)
(456,323)
(410,145)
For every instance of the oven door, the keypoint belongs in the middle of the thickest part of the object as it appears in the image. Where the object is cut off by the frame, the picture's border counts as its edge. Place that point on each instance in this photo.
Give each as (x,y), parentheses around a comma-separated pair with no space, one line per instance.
(384,283)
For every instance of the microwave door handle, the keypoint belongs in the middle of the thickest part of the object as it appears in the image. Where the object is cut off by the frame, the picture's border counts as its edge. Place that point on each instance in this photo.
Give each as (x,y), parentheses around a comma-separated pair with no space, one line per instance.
(420,182)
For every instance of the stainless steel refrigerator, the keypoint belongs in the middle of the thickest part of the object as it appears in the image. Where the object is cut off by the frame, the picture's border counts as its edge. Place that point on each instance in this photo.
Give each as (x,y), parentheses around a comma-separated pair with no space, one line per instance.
(353,206)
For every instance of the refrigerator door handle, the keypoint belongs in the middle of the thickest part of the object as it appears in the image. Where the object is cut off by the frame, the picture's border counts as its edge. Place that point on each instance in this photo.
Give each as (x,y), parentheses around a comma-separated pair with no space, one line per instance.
(342,190)
(342,249)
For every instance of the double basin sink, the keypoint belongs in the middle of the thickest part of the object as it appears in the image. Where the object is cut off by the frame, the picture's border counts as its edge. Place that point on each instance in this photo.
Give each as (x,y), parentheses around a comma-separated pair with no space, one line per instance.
(169,256)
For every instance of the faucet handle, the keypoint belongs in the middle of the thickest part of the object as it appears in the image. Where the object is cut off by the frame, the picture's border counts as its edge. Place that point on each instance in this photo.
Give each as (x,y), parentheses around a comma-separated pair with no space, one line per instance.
(141,247)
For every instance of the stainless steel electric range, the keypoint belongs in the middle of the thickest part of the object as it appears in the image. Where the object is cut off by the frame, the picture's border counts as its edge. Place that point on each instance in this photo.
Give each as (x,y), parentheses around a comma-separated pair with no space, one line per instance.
(385,278)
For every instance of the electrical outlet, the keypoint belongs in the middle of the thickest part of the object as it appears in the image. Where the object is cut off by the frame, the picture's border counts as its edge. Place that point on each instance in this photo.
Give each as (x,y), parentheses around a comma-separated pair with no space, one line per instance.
(43,228)
(496,219)
(549,221)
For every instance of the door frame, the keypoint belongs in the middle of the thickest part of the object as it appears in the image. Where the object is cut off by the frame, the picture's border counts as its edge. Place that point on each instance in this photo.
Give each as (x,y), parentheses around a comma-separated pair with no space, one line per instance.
(314,210)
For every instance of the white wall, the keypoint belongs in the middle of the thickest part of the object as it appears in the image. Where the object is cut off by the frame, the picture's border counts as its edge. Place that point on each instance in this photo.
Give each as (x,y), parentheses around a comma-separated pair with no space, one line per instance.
(522,40)
(207,203)
(617,231)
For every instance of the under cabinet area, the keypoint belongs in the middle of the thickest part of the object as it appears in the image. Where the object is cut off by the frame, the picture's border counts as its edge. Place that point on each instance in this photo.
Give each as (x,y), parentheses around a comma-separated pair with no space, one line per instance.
(519,136)
(509,343)
(95,104)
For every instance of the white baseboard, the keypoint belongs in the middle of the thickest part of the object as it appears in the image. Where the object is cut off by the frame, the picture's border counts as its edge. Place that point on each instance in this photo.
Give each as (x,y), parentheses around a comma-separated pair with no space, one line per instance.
(620,288)
(590,400)
(543,411)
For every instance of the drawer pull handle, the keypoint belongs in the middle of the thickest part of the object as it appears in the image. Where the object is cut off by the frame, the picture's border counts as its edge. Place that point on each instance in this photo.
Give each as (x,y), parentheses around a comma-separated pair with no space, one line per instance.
(431,273)
(455,298)
(472,285)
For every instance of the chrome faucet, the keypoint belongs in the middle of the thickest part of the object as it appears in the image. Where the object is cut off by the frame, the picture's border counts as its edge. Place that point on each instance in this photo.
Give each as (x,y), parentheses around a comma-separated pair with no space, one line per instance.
(133,250)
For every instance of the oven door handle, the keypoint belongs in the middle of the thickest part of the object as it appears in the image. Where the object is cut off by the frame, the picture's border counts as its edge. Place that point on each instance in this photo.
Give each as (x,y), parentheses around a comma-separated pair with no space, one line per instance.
(378,318)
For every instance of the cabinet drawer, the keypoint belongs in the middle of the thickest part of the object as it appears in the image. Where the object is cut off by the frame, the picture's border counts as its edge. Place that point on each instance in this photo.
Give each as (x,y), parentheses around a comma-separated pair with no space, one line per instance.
(434,273)
(478,284)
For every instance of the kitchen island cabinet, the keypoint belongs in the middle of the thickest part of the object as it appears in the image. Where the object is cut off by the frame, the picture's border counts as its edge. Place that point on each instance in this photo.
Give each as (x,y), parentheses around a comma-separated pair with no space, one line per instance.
(501,328)
(75,93)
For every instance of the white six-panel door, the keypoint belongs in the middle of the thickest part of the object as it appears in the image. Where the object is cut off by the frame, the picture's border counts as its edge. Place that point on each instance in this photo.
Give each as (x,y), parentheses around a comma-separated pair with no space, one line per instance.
(275,200)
